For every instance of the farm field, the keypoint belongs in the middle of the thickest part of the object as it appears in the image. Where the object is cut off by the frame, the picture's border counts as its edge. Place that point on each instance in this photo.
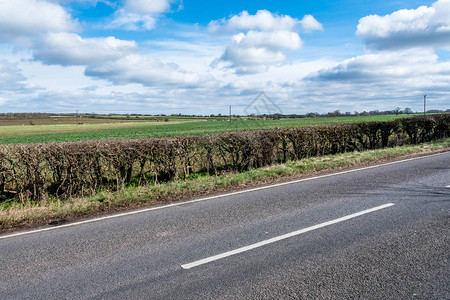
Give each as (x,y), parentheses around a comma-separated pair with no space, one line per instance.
(114,129)
(57,120)
(81,126)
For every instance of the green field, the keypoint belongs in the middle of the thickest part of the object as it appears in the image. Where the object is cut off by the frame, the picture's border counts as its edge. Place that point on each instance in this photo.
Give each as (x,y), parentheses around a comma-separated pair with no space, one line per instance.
(25,134)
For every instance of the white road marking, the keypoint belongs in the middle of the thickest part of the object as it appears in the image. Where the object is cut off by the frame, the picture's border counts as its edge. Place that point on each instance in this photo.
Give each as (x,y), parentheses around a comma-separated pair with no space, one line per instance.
(448,186)
(281,237)
(210,198)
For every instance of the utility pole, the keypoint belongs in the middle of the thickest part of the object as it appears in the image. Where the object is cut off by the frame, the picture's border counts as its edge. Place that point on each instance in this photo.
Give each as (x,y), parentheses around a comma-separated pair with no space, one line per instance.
(230,113)
(424,104)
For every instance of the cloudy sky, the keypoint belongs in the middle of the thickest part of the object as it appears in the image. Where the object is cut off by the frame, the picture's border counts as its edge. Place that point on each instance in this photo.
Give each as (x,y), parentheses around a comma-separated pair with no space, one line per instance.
(199,57)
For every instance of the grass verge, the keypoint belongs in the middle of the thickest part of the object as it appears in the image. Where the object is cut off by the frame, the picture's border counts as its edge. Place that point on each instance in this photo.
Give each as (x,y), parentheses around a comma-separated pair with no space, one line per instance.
(15,215)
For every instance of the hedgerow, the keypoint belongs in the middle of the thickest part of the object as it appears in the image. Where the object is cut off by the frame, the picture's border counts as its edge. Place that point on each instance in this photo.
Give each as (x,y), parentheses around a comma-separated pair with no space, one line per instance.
(39,171)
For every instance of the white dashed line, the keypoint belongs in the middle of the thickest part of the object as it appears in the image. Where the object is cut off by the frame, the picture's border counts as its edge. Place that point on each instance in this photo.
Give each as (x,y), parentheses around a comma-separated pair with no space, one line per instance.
(281,237)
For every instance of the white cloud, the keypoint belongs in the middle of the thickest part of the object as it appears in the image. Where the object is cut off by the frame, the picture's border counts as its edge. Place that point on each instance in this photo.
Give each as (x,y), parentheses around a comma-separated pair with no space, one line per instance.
(140,14)
(76,72)
(146,71)
(147,7)
(310,24)
(263,20)
(256,51)
(382,81)
(264,42)
(398,75)
(27,18)
(385,66)
(408,28)
(251,60)
(11,79)
(132,21)
(56,77)
(271,40)
(113,60)
(69,1)
(107,58)
(71,49)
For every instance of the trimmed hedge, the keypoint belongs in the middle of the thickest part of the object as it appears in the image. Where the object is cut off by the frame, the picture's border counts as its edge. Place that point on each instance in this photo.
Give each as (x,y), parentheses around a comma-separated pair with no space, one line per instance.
(63,170)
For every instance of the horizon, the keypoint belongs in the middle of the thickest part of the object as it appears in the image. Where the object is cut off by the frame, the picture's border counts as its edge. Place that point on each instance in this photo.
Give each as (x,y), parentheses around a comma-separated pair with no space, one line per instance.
(335,113)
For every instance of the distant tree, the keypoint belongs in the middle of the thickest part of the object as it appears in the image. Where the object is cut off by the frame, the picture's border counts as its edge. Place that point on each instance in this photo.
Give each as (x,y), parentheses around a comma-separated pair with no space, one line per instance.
(397,110)
(408,111)
(276,116)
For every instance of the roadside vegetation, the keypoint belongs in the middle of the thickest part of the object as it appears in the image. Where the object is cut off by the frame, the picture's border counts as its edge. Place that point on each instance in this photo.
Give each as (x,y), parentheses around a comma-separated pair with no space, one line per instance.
(59,180)
(15,214)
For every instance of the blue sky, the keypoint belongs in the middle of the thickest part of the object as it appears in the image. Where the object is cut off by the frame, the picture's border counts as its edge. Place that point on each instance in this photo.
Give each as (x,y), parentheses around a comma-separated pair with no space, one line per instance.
(199,57)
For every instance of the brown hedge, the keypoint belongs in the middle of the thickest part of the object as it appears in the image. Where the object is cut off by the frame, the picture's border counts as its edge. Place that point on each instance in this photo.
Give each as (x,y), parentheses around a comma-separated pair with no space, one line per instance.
(63,170)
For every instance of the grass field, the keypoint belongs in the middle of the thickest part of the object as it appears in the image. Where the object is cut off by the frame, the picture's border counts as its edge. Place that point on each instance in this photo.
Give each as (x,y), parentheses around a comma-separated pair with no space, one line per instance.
(96,129)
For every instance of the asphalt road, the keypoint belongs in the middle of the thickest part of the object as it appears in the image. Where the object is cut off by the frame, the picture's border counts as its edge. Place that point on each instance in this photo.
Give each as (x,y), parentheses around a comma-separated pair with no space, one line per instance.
(396,251)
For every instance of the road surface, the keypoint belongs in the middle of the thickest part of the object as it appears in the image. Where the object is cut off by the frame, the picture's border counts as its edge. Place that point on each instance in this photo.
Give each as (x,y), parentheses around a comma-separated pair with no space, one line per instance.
(374,233)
